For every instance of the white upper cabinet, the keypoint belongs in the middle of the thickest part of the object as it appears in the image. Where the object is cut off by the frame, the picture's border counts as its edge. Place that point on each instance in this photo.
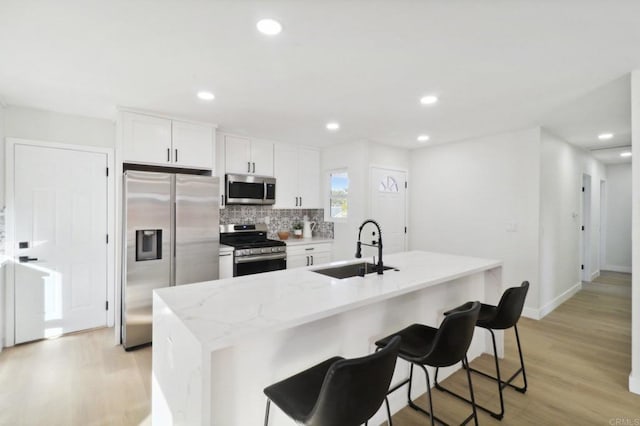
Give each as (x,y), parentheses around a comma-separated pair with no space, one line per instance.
(192,145)
(161,141)
(297,172)
(246,156)
(286,173)
(309,178)
(146,139)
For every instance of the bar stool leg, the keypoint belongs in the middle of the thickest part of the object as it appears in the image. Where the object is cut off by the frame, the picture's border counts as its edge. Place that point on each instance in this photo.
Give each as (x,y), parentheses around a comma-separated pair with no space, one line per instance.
(501,384)
(473,399)
(500,415)
(413,404)
(386,402)
(266,414)
(524,374)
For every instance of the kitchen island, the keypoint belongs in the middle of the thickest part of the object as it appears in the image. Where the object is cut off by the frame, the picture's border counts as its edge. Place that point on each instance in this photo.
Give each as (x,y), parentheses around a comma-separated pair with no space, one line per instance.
(216,345)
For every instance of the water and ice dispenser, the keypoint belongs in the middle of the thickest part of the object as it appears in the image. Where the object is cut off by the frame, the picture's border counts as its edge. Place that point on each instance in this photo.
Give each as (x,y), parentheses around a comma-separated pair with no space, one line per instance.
(148,244)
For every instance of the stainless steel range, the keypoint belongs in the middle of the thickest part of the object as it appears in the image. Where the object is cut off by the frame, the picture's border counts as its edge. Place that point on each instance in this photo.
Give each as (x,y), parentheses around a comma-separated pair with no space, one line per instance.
(253,251)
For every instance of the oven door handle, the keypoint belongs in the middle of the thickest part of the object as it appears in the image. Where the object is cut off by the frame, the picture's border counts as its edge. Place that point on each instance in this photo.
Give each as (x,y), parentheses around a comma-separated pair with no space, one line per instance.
(257,258)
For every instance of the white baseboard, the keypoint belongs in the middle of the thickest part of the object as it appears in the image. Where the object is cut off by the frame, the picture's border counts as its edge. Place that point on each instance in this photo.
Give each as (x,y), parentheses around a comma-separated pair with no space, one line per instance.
(617,268)
(549,307)
(634,383)
(538,314)
(595,275)
(531,313)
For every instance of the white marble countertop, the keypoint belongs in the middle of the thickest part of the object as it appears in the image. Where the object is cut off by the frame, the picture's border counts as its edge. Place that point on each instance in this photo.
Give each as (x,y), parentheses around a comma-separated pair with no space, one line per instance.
(4,259)
(299,241)
(223,312)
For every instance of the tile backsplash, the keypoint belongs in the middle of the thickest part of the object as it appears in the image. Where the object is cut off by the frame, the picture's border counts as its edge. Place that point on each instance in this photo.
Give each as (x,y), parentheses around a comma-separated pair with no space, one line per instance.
(276,219)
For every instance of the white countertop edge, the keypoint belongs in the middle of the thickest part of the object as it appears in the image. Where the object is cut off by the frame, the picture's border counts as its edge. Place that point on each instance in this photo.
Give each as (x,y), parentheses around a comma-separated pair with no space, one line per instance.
(300,241)
(225,342)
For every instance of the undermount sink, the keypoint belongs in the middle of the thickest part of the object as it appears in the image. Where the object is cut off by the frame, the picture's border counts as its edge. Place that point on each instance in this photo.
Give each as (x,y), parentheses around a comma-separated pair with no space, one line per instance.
(351,270)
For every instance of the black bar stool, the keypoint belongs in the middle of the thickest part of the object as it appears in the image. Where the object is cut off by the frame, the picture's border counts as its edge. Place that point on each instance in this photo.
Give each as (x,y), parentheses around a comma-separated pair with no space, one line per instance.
(501,317)
(338,391)
(437,347)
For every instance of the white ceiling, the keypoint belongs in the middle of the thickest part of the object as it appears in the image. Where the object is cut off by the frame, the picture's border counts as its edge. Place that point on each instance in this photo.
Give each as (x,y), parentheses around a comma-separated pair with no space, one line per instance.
(495,65)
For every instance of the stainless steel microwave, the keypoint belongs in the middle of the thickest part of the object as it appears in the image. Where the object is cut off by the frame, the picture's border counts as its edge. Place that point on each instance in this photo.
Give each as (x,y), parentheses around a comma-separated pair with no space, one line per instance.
(250,189)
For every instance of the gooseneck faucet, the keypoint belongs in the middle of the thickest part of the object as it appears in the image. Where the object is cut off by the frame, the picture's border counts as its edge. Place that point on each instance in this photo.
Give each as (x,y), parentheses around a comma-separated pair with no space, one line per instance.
(374,243)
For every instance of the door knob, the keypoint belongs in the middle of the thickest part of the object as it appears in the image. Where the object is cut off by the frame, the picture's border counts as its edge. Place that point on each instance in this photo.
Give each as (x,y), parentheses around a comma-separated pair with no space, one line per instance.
(25,259)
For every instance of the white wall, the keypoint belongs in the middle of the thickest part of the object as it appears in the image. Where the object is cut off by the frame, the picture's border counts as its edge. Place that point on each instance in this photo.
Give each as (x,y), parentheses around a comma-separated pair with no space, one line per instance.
(29,123)
(634,377)
(618,218)
(2,204)
(357,158)
(562,168)
(480,198)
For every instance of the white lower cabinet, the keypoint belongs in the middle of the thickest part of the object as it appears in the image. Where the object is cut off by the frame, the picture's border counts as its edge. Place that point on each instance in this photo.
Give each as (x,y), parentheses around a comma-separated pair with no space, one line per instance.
(301,255)
(226,264)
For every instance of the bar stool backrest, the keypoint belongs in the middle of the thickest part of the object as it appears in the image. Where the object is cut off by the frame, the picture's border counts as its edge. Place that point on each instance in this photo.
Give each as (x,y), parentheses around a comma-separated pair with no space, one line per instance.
(510,307)
(354,389)
(454,336)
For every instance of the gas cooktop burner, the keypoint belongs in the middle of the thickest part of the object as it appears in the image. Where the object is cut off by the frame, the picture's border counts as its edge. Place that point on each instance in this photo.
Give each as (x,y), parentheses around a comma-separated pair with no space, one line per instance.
(247,237)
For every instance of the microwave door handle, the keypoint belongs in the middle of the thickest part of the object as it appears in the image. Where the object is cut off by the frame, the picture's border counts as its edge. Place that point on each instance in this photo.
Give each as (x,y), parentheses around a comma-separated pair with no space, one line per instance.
(264,193)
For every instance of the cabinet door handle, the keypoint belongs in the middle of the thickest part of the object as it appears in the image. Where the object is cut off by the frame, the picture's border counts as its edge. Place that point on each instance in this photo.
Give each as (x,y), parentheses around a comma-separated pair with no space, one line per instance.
(225,254)
(176,159)
(254,167)
(311,260)
(310,248)
(248,166)
(222,200)
(307,260)
(300,201)
(168,155)
(296,201)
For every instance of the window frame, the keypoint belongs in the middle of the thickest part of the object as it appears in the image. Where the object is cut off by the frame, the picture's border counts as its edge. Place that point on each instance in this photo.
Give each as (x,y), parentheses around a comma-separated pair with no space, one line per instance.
(328,196)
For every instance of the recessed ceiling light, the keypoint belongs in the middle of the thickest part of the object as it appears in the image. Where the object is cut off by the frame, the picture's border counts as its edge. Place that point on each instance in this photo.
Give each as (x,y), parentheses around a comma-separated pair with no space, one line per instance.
(605,136)
(206,96)
(625,154)
(269,26)
(428,100)
(423,138)
(333,126)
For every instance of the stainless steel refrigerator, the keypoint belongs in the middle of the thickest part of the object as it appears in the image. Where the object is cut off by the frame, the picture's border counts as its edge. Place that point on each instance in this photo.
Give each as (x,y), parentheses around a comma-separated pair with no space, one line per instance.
(171,227)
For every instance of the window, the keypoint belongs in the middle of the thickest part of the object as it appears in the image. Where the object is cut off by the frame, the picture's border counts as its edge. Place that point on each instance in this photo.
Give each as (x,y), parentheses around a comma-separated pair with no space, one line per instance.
(339,194)
(388,184)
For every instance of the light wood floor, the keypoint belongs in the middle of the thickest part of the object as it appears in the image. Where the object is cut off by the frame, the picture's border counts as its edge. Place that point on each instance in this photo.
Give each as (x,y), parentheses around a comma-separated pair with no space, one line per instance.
(577,359)
(78,379)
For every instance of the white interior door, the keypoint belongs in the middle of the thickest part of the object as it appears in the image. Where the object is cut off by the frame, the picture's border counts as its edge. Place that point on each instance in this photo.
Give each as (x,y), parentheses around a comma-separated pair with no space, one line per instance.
(388,204)
(60,204)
